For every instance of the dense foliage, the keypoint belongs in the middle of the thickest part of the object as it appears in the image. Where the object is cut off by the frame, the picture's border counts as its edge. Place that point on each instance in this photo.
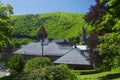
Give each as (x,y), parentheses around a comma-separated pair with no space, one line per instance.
(40,68)
(17,42)
(96,12)
(58,25)
(59,72)
(5,24)
(108,29)
(109,50)
(16,64)
(36,63)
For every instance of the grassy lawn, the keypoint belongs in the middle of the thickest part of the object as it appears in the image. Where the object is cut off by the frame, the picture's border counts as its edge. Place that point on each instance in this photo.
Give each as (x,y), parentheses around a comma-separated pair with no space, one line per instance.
(92,76)
(109,75)
(116,79)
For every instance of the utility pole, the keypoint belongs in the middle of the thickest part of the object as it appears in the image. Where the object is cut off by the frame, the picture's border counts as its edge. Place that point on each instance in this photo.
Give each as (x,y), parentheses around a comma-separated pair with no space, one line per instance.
(42,47)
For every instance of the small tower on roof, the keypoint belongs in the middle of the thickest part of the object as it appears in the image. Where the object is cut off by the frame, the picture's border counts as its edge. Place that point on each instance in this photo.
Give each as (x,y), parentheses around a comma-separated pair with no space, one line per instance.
(83,37)
(42,34)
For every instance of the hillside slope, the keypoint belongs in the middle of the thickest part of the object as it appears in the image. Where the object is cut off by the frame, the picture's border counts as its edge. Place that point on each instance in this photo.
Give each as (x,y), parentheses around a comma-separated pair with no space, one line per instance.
(58,24)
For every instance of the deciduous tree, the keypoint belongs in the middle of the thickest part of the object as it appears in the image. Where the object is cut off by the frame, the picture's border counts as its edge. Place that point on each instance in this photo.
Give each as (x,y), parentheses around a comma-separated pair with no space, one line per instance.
(5,24)
(107,25)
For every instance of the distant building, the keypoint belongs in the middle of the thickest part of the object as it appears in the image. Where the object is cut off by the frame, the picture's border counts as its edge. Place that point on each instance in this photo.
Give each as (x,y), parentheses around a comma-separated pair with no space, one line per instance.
(59,51)
(75,59)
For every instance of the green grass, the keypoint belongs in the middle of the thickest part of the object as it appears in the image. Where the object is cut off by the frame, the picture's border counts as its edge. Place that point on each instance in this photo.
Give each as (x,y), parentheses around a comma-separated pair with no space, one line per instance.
(108,75)
(116,79)
(92,76)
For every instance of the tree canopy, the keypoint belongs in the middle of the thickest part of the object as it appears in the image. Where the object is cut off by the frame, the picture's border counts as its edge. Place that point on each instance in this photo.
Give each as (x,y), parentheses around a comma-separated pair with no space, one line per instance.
(5,24)
(37,63)
(107,25)
(58,25)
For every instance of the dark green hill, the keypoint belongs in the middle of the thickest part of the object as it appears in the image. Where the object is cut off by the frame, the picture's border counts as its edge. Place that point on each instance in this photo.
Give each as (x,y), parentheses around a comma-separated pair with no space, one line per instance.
(58,24)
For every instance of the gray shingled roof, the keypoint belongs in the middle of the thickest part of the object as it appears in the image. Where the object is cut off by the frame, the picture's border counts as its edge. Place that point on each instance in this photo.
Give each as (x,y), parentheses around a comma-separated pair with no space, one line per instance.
(36,49)
(73,57)
(68,54)
(32,48)
(54,49)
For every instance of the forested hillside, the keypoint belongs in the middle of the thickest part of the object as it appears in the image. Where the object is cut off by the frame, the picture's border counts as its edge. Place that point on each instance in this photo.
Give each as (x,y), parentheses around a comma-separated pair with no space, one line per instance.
(58,25)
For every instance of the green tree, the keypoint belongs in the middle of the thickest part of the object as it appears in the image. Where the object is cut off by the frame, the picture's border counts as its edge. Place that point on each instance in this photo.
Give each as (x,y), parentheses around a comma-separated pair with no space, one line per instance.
(109,47)
(109,51)
(107,25)
(37,63)
(112,17)
(5,24)
(58,25)
(16,64)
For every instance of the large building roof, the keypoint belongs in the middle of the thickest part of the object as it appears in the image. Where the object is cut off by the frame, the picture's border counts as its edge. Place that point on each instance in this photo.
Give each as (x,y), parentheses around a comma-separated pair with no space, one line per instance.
(50,49)
(73,57)
(68,54)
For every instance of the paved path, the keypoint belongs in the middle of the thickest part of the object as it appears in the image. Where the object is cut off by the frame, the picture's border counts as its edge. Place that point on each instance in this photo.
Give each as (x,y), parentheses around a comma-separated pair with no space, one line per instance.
(3,73)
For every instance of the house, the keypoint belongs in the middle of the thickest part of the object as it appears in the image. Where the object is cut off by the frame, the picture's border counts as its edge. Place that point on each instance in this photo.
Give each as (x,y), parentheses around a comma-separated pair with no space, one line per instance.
(74,59)
(59,51)
(49,49)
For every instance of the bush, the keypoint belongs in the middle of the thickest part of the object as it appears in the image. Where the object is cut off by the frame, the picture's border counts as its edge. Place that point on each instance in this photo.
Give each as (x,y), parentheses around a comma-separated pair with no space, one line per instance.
(37,63)
(86,72)
(34,75)
(111,76)
(59,72)
(16,64)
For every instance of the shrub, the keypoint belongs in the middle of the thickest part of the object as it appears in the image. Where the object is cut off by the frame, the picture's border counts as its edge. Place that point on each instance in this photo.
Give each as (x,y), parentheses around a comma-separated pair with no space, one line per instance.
(86,72)
(59,72)
(34,75)
(16,64)
(37,63)
(111,76)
